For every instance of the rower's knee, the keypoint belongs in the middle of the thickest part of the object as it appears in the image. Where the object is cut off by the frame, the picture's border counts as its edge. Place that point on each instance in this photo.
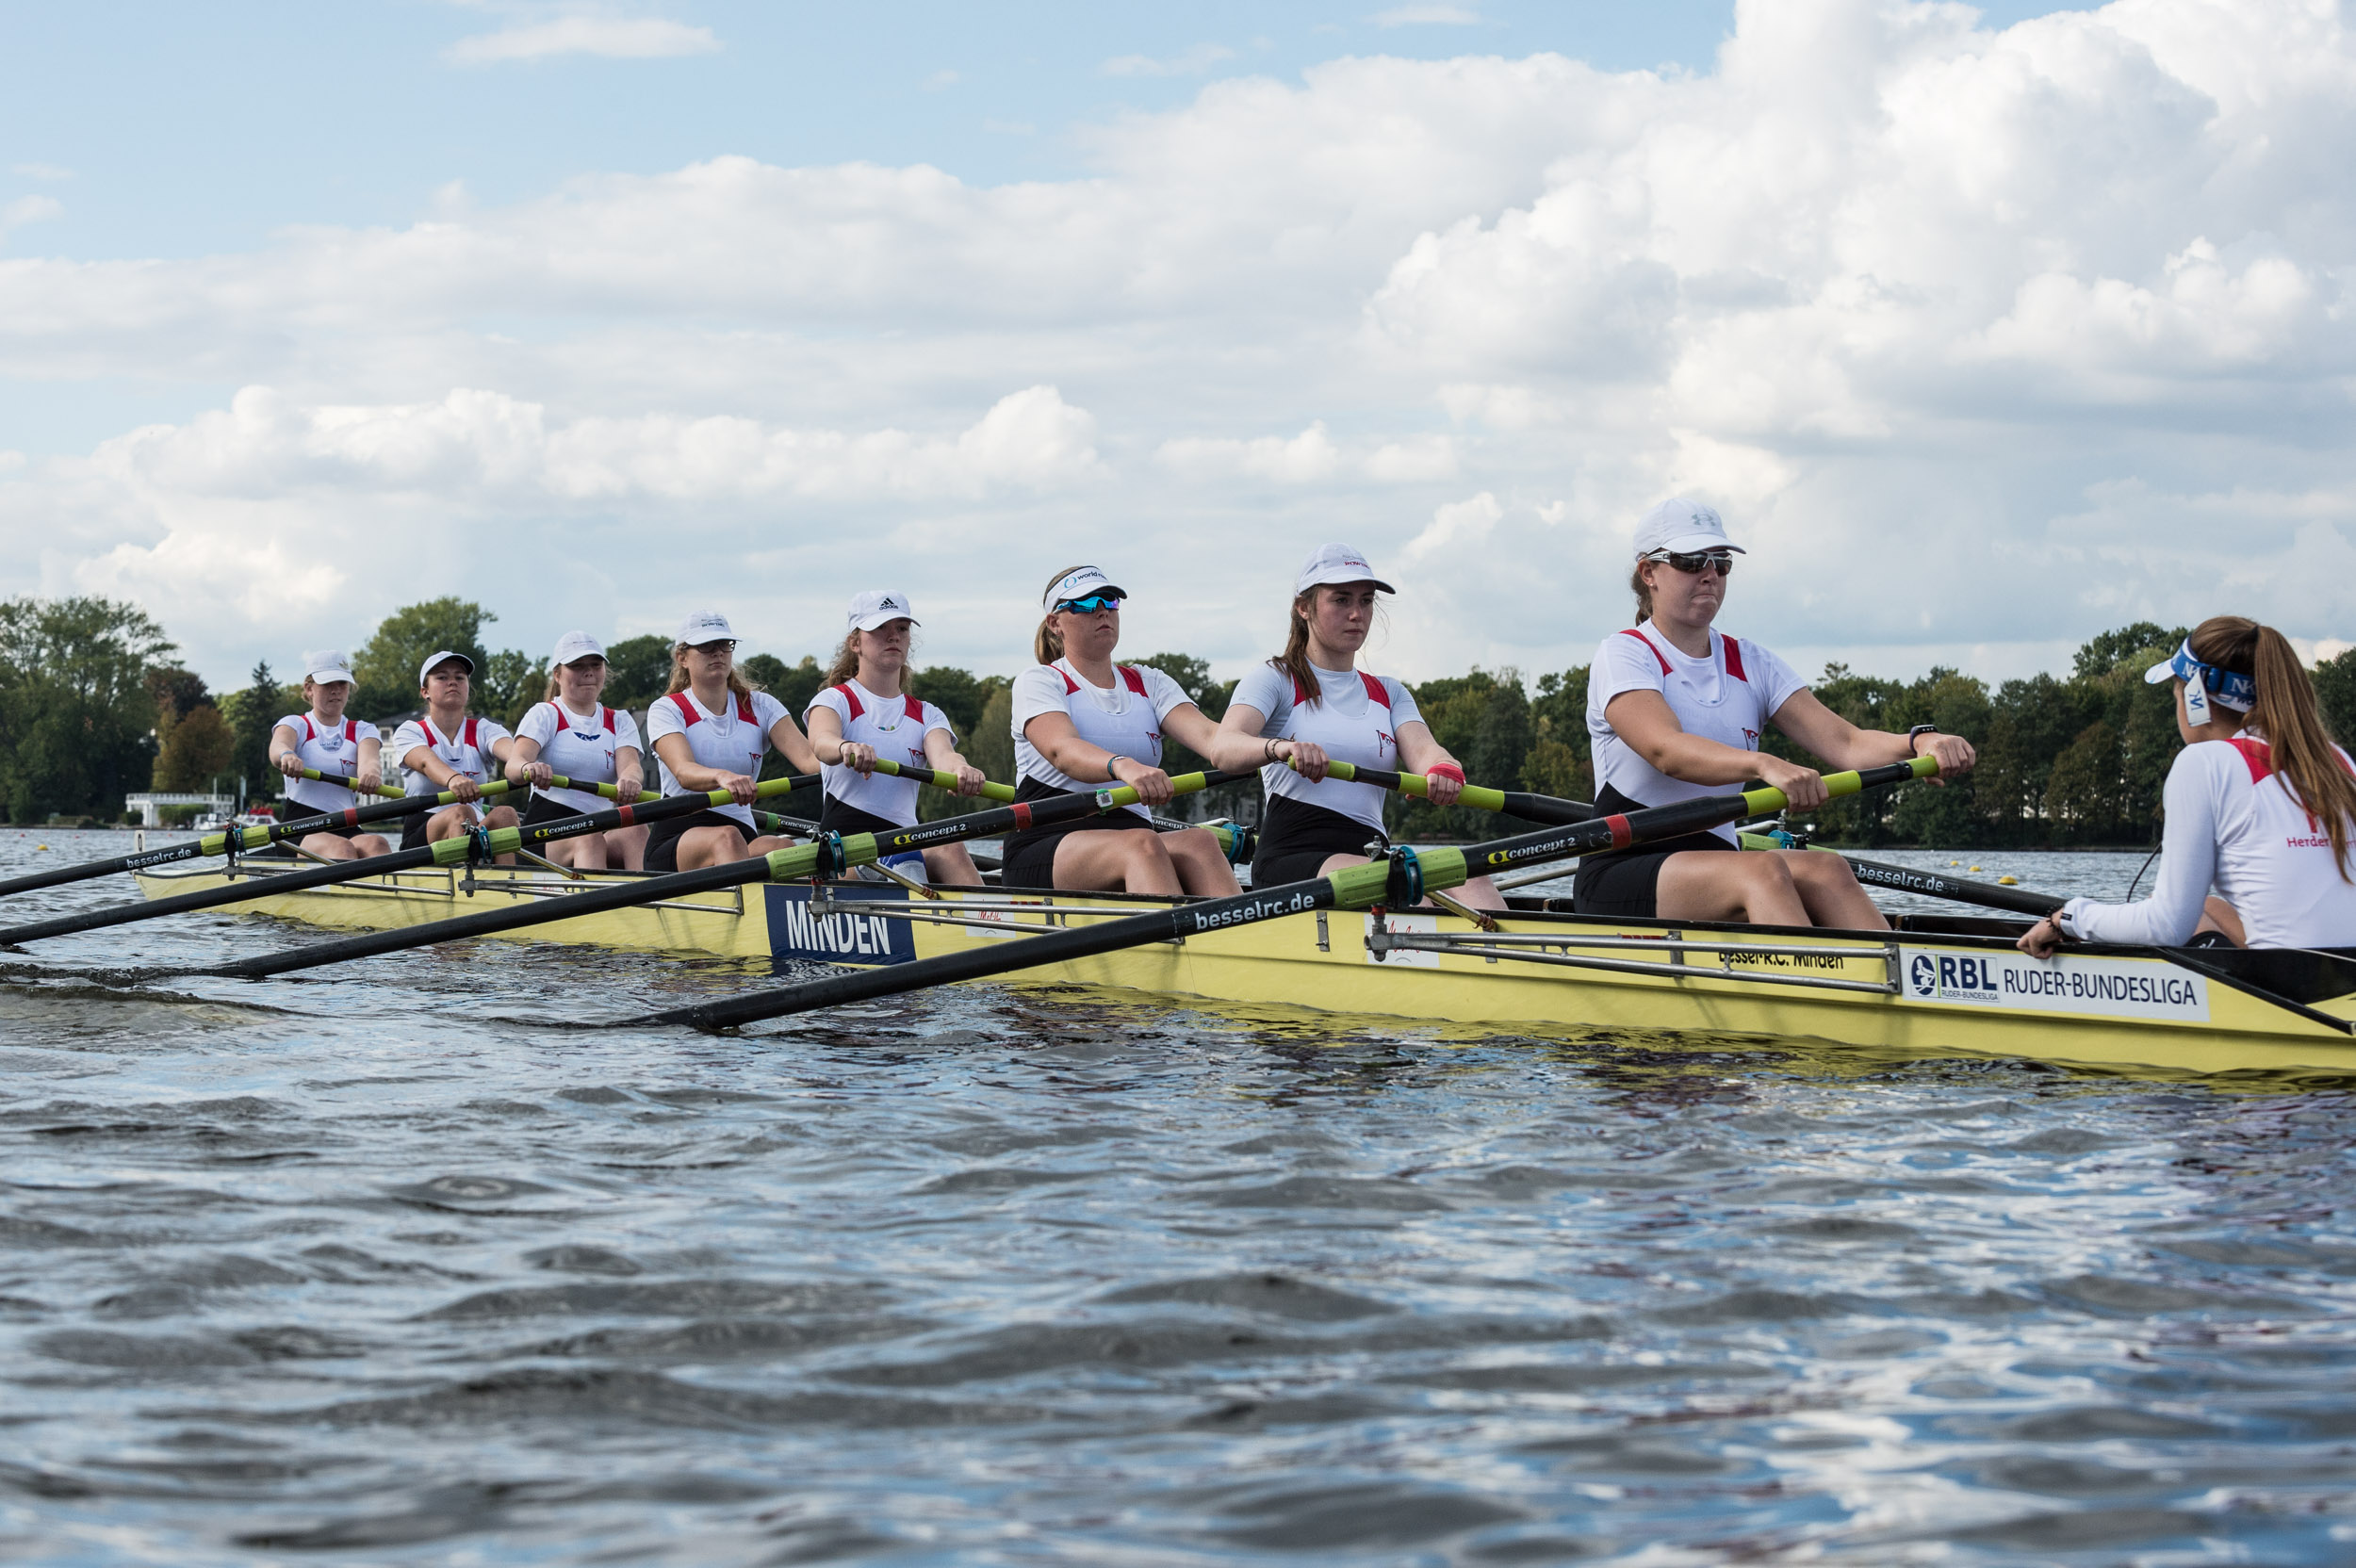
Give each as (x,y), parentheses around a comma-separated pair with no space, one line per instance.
(502,816)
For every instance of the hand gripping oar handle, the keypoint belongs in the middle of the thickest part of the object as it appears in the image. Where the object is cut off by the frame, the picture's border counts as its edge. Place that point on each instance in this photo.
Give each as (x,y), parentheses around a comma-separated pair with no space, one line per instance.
(452,851)
(826,858)
(1510,803)
(384,791)
(941,781)
(1399,881)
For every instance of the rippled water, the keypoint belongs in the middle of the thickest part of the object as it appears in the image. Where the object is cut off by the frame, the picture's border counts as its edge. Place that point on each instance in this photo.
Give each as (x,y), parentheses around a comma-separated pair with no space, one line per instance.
(351,1268)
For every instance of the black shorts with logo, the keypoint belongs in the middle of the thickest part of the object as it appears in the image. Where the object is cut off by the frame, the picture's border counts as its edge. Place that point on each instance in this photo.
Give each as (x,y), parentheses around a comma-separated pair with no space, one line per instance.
(1625,882)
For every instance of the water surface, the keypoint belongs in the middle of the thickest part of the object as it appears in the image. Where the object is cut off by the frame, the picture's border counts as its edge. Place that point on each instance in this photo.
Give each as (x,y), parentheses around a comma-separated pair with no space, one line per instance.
(356,1267)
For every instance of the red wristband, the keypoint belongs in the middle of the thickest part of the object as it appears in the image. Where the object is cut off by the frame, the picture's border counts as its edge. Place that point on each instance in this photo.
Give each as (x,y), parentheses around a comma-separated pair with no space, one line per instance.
(1445,770)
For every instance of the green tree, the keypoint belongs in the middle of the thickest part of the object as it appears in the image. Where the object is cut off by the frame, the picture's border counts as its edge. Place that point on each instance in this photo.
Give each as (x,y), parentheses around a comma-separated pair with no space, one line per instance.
(2084,794)
(992,745)
(2143,645)
(386,666)
(196,750)
(75,713)
(2335,691)
(507,684)
(1193,677)
(638,670)
(251,713)
(959,694)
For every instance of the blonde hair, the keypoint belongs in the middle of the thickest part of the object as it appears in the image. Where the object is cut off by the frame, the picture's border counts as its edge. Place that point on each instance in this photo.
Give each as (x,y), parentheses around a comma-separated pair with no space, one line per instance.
(846,661)
(680,680)
(2286,715)
(1047,643)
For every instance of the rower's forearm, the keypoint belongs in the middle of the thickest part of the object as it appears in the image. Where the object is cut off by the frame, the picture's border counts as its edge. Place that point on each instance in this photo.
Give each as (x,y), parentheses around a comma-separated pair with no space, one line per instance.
(1698,760)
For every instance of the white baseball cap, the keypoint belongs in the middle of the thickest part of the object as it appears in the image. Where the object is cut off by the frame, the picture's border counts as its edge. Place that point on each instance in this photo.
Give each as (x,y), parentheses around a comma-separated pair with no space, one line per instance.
(576,646)
(1683,527)
(325,664)
(1079,583)
(443,657)
(879,607)
(1336,564)
(704,626)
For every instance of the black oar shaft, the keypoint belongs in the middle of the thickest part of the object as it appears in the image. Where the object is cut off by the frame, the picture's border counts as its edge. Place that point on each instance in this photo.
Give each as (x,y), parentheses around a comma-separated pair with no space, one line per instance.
(781,865)
(1880,873)
(450,851)
(1355,887)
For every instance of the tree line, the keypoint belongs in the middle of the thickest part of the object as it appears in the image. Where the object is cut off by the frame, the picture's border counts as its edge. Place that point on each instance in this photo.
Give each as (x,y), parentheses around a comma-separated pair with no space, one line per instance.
(93,705)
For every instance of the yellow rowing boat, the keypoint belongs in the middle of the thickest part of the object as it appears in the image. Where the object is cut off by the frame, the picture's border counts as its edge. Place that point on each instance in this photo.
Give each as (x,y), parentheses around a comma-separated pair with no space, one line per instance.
(1939,984)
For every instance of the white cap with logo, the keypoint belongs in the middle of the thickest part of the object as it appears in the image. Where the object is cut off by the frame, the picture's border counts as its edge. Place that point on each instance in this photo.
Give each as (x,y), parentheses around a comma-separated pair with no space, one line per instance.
(1081,583)
(879,607)
(1683,527)
(1336,564)
(704,626)
(325,664)
(576,646)
(441,657)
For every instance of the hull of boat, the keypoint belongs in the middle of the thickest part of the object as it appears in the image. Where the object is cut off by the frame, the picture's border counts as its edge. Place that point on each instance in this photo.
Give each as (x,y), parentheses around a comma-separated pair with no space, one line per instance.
(1918,991)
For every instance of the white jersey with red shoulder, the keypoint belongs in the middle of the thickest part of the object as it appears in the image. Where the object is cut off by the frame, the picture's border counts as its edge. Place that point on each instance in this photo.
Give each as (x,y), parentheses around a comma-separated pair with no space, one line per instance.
(2234,823)
(329,748)
(579,746)
(896,728)
(1727,696)
(734,740)
(467,751)
(1125,718)
(1356,719)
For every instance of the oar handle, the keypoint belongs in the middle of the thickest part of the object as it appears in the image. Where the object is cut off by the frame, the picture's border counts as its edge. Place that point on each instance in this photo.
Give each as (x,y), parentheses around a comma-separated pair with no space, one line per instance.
(1516,802)
(383,791)
(941,781)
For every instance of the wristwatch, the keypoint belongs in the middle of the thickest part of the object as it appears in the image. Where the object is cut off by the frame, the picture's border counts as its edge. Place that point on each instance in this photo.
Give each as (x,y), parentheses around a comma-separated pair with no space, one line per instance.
(1918,732)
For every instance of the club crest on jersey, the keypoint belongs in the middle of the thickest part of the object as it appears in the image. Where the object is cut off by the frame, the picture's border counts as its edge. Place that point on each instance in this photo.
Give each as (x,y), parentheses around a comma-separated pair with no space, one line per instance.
(1382,741)
(1750,739)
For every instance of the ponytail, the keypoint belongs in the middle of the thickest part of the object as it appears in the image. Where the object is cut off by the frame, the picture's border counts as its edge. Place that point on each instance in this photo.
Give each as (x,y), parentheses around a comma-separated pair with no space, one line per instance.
(1644,592)
(845,661)
(1294,661)
(1047,643)
(2305,761)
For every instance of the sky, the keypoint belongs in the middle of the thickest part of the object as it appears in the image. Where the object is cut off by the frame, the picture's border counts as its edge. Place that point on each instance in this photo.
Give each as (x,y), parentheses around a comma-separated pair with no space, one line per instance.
(1986,329)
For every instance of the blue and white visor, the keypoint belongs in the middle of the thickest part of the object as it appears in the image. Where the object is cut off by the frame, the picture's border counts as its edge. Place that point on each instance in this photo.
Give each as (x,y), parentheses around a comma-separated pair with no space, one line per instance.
(2230,688)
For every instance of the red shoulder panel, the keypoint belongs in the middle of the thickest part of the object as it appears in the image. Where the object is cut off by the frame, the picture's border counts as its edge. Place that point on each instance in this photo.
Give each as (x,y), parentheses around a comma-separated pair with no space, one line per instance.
(1734,658)
(1665,667)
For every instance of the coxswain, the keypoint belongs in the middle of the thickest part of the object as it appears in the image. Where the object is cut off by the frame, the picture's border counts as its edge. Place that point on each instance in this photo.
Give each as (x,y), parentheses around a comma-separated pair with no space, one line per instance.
(864,713)
(323,740)
(1312,704)
(573,735)
(1676,710)
(1081,722)
(710,732)
(2260,805)
(448,750)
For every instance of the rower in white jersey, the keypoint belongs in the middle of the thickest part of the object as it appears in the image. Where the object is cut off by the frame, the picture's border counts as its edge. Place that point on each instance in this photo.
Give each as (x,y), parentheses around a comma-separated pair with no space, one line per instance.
(710,732)
(2260,805)
(324,741)
(1676,710)
(1312,704)
(864,713)
(1081,722)
(449,749)
(574,735)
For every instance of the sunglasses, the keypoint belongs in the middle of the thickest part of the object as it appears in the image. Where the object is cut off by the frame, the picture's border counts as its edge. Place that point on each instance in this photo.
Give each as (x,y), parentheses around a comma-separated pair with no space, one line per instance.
(1721,560)
(712,650)
(1090,605)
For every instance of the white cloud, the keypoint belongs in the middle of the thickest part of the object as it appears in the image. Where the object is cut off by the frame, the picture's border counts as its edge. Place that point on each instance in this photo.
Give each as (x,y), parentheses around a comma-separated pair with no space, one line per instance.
(940,81)
(41,171)
(30,209)
(1193,63)
(1985,339)
(1413,16)
(611,37)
